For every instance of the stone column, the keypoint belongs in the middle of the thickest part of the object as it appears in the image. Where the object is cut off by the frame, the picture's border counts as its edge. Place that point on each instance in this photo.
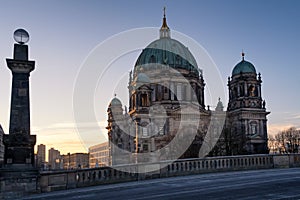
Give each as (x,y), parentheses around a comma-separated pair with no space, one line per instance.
(261,127)
(172,90)
(19,176)
(188,93)
(259,91)
(19,144)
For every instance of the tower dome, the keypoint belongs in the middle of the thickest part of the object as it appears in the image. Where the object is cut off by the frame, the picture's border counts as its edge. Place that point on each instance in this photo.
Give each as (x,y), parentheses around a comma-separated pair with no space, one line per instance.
(220,106)
(243,67)
(115,102)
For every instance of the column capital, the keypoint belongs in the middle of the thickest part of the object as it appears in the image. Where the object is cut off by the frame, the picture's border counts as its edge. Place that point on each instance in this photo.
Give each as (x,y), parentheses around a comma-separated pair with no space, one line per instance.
(20,66)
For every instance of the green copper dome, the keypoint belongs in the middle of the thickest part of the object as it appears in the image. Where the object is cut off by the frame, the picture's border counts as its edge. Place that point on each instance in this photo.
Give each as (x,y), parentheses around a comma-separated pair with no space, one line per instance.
(167,51)
(115,102)
(243,67)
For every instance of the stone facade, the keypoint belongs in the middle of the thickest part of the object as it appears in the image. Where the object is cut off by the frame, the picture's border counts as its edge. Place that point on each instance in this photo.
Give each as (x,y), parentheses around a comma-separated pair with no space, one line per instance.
(54,159)
(166,104)
(41,156)
(75,161)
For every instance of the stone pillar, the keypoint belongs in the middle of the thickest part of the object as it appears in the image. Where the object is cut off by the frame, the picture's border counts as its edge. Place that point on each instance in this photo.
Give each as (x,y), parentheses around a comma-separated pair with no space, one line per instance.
(19,144)
(188,93)
(246,127)
(19,176)
(172,88)
(246,89)
(261,127)
(259,91)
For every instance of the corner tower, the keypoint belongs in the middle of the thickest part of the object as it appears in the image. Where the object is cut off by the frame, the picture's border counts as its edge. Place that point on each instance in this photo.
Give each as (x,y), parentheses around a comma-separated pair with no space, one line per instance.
(19,144)
(247,115)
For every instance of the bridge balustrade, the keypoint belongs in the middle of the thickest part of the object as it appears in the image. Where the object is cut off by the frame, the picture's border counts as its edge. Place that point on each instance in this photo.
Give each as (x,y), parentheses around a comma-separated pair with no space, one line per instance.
(59,180)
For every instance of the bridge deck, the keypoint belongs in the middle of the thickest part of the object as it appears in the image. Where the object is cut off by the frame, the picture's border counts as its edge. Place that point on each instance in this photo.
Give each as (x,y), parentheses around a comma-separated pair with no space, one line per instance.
(254,184)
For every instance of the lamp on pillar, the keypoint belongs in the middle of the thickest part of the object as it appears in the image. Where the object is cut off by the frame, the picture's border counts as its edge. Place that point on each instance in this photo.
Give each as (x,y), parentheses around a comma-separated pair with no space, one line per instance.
(19,144)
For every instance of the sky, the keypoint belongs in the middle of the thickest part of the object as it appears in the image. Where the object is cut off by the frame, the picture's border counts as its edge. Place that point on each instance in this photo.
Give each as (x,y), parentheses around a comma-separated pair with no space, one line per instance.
(66,35)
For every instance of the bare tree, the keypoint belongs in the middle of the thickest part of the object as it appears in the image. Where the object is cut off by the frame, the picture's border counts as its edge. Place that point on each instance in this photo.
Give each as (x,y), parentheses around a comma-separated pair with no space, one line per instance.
(287,141)
(272,144)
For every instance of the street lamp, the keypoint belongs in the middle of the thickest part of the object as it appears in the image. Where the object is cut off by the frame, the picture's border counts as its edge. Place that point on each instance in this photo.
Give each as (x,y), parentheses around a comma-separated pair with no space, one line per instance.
(69,157)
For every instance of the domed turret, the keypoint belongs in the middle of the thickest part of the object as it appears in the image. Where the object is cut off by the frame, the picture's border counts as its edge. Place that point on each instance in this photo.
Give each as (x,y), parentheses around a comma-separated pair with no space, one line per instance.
(243,67)
(220,106)
(115,110)
(115,102)
(247,115)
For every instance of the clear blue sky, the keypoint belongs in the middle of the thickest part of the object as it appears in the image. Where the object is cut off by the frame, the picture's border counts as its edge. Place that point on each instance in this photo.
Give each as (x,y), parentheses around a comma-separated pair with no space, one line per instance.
(63,33)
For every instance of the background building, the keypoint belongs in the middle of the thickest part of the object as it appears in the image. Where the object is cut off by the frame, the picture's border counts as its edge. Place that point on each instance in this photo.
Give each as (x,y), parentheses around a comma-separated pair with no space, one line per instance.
(75,161)
(54,159)
(99,155)
(41,155)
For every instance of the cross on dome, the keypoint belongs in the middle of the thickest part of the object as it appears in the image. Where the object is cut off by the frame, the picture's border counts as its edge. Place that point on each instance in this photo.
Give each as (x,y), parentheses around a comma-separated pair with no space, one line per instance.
(243,55)
(164,30)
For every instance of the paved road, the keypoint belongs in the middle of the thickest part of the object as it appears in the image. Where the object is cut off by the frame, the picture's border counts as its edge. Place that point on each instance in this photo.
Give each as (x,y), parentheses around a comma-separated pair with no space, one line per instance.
(258,184)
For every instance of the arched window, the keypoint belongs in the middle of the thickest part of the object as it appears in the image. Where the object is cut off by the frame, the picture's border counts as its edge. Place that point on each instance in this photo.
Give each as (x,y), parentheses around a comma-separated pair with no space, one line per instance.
(145,131)
(184,88)
(253,128)
(159,92)
(152,59)
(251,91)
(178,60)
(179,92)
(153,96)
(242,90)
(172,90)
(256,91)
(144,99)
(235,92)
(166,126)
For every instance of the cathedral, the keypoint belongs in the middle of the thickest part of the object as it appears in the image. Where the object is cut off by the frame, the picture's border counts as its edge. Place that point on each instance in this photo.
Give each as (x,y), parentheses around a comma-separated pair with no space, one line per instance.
(167,117)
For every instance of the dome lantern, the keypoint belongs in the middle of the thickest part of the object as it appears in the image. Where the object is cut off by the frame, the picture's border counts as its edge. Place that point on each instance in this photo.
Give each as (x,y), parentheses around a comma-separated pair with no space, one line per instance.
(165,30)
